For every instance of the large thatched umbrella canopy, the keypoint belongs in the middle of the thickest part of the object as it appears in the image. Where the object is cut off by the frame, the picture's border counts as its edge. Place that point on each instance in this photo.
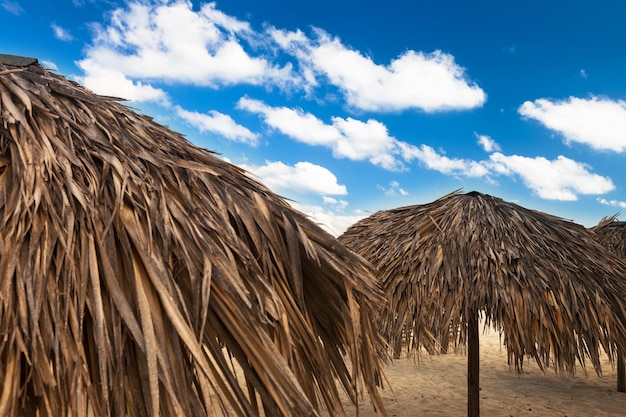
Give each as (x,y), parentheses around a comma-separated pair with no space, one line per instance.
(134,266)
(554,292)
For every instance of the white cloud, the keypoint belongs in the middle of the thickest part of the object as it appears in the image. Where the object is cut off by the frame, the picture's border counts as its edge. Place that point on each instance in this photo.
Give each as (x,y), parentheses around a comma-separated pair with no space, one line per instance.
(358,140)
(596,122)
(170,42)
(335,223)
(558,179)
(393,189)
(230,24)
(12,7)
(430,82)
(109,81)
(561,179)
(612,203)
(303,177)
(304,127)
(219,123)
(338,205)
(61,33)
(49,65)
(487,143)
(434,160)
(348,138)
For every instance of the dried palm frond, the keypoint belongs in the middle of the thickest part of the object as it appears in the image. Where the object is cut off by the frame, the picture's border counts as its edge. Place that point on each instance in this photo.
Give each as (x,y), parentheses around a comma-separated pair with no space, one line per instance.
(555,293)
(612,234)
(141,275)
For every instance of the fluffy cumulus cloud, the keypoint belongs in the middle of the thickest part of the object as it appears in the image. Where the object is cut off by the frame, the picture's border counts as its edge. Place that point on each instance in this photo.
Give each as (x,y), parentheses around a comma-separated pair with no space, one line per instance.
(146,43)
(357,140)
(338,205)
(303,177)
(168,41)
(348,138)
(49,65)
(220,124)
(146,46)
(487,143)
(112,82)
(60,33)
(414,80)
(612,203)
(335,222)
(432,159)
(597,122)
(558,179)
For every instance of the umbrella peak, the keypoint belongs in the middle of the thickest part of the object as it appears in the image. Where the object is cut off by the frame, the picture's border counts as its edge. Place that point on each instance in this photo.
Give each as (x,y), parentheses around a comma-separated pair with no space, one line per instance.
(476,194)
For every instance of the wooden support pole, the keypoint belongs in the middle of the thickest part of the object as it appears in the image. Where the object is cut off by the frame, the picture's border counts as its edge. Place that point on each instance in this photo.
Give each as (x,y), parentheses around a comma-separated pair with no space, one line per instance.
(397,347)
(473,385)
(445,341)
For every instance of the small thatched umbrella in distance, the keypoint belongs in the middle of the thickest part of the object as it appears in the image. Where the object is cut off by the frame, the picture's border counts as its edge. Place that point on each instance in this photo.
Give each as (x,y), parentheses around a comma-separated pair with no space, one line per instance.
(141,275)
(555,293)
(612,234)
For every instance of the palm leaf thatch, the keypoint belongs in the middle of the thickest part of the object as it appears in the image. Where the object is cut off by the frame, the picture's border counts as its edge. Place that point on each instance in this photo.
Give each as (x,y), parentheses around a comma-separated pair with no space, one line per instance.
(544,282)
(612,235)
(141,275)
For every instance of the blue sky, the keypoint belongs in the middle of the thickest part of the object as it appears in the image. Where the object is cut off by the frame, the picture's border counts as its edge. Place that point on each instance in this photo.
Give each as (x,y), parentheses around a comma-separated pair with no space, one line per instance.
(349,107)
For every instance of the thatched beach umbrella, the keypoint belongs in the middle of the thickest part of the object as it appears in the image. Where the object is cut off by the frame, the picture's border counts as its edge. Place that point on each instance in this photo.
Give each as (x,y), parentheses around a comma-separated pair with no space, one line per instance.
(141,275)
(545,283)
(612,234)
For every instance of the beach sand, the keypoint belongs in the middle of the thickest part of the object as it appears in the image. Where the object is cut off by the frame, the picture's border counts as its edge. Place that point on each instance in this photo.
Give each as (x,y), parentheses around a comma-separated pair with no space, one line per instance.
(437,386)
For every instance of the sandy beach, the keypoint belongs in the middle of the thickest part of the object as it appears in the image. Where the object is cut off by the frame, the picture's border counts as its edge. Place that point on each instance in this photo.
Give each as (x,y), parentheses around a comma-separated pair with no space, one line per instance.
(437,386)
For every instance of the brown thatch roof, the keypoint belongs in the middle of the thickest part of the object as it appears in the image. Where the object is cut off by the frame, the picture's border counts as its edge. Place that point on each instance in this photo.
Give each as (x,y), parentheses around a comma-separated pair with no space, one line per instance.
(555,293)
(137,272)
(612,234)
